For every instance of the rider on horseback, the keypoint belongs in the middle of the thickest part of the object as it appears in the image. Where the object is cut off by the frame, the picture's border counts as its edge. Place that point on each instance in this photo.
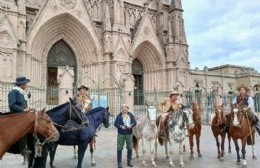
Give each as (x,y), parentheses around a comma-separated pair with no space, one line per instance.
(83,98)
(244,99)
(167,108)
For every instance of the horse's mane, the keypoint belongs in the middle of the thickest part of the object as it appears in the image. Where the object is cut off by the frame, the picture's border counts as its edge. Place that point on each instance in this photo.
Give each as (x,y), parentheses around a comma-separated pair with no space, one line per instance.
(57,108)
(93,111)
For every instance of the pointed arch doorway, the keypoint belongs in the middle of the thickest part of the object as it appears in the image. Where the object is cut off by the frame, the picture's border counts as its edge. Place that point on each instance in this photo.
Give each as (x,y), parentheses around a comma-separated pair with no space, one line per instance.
(137,71)
(61,73)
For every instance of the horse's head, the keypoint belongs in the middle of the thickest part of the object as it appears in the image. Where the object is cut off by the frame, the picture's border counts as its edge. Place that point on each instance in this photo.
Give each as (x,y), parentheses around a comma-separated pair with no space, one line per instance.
(236,115)
(220,115)
(105,121)
(196,109)
(45,127)
(76,113)
(188,116)
(151,114)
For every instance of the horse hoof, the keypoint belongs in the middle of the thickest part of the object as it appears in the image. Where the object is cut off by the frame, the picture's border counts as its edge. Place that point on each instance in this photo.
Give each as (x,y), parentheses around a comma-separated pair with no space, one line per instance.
(181,165)
(200,155)
(222,159)
(93,164)
(218,156)
(154,165)
(171,165)
(144,164)
(254,157)
(74,157)
(191,157)
(239,163)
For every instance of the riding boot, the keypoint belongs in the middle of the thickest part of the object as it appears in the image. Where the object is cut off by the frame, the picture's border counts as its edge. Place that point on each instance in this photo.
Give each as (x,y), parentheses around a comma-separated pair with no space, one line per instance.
(119,158)
(129,158)
(256,123)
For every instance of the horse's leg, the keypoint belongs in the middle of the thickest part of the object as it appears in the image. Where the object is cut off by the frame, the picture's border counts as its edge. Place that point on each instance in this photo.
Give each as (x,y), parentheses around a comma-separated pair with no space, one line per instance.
(217,143)
(152,150)
(181,154)
(184,148)
(237,150)
(74,152)
(92,147)
(198,144)
(170,154)
(136,149)
(223,136)
(81,153)
(166,149)
(253,140)
(243,150)
(144,151)
(52,154)
(229,145)
(191,146)
(155,146)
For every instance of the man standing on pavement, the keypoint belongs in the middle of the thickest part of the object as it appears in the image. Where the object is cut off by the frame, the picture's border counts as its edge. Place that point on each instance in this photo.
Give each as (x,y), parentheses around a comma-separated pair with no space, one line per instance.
(17,101)
(125,122)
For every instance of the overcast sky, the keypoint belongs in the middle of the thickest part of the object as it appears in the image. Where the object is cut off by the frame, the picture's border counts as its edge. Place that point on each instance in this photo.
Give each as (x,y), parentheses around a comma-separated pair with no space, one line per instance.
(223,32)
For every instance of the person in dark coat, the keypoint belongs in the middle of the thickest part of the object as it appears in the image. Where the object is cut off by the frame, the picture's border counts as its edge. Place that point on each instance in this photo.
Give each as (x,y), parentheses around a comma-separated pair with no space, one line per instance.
(17,97)
(124,122)
(17,102)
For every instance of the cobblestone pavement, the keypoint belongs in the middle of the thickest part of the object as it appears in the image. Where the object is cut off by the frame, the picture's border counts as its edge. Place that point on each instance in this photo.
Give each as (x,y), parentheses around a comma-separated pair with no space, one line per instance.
(106,154)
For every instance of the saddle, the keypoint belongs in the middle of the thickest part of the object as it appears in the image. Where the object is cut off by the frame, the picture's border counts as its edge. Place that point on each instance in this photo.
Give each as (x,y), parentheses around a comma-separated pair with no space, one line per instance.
(162,124)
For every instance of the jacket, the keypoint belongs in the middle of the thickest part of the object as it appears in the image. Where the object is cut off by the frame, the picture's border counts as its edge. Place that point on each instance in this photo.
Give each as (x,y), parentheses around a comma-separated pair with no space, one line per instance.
(16,101)
(119,122)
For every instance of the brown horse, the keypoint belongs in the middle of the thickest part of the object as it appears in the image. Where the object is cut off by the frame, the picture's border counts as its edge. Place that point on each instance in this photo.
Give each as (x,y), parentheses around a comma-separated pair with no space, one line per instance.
(15,126)
(196,130)
(240,128)
(217,126)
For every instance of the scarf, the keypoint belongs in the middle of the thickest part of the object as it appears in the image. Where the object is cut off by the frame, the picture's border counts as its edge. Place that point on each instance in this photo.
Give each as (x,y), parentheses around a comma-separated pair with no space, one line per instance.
(23,92)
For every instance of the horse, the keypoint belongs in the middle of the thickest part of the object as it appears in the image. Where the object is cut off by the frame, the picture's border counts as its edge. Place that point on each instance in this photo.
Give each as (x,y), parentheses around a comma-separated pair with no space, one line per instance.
(15,126)
(174,131)
(62,116)
(146,131)
(196,130)
(217,126)
(240,128)
(85,135)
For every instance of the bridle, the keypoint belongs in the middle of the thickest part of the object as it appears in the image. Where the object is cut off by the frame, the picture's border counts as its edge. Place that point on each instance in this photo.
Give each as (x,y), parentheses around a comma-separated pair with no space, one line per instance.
(38,144)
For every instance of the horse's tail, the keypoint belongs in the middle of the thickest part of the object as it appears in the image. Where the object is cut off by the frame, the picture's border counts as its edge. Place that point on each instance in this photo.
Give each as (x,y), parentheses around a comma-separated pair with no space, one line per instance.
(161,141)
(135,142)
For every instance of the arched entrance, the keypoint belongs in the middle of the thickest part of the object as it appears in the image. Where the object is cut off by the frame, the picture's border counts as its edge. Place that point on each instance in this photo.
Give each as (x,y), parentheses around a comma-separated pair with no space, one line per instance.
(61,73)
(137,71)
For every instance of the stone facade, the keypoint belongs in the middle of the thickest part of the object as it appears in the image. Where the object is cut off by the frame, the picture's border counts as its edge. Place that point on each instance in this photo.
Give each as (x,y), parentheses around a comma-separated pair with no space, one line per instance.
(126,44)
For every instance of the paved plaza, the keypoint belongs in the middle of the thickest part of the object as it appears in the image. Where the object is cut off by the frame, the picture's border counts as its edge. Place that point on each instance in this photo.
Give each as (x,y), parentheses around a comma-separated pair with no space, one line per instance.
(106,155)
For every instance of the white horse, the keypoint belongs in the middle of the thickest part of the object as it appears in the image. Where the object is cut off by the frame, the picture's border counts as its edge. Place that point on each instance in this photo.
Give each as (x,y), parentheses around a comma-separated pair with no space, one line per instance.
(146,131)
(174,129)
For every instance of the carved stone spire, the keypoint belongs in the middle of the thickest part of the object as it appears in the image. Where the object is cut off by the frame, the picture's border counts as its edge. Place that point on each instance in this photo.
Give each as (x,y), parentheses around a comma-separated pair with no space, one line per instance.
(107,19)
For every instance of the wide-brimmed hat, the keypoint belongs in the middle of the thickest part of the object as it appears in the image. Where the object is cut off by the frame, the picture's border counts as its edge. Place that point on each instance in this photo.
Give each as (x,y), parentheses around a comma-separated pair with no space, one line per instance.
(21,81)
(82,87)
(243,86)
(174,93)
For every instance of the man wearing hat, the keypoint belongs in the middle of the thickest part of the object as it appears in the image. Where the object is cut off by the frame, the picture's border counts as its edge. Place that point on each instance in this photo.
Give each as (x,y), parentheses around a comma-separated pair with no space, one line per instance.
(171,104)
(243,99)
(125,121)
(82,98)
(17,101)
(17,97)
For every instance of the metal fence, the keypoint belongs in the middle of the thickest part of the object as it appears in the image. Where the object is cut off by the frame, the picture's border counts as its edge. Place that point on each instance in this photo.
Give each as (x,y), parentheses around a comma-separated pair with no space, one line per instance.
(48,97)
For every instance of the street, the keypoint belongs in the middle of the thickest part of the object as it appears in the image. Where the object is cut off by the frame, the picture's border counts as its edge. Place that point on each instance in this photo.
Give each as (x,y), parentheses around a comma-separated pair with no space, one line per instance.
(106,154)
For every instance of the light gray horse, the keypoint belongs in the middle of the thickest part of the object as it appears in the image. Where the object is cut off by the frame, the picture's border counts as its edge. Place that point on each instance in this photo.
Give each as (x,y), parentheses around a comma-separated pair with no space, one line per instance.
(147,132)
(174,128)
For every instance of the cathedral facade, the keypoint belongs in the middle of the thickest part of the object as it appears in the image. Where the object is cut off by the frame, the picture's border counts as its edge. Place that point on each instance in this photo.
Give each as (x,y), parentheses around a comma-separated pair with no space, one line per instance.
(131,45)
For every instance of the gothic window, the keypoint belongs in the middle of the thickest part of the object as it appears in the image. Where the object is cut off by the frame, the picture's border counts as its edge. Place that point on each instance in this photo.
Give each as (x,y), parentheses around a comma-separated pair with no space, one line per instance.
(137,71)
